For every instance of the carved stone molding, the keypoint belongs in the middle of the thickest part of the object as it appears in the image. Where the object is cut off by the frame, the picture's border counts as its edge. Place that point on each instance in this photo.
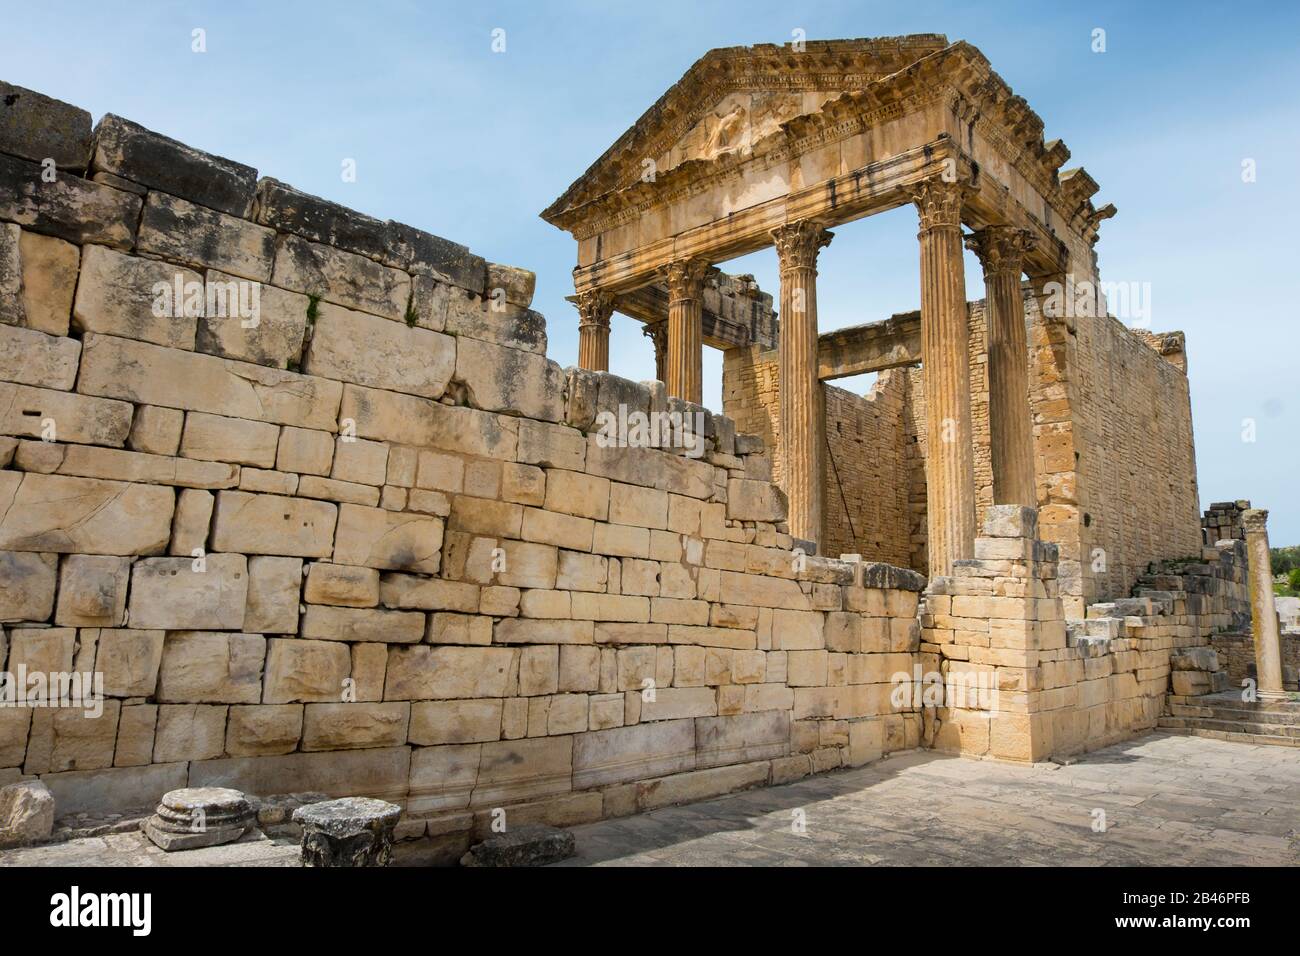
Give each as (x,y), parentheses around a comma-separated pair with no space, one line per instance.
(797,243)
(939,203)
(685,279)
(1001,249)
(594,308)
(1255,519)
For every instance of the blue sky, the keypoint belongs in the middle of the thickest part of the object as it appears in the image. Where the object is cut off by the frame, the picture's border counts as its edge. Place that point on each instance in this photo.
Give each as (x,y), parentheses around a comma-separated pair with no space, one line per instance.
(471,144)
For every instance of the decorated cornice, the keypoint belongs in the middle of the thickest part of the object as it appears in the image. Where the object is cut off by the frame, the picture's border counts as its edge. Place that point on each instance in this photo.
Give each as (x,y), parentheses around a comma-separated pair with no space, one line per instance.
(612,192)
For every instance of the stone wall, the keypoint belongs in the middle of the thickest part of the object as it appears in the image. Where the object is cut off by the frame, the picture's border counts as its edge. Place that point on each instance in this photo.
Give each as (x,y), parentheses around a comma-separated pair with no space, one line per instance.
(1049,688)
(366,538)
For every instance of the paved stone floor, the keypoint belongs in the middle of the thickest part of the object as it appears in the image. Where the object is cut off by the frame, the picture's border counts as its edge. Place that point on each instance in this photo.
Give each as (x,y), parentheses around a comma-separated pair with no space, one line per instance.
(1167,799)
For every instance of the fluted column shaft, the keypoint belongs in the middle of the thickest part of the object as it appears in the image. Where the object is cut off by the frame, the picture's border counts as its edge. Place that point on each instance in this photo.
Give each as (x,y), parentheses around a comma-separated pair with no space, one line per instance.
(685,371)
(803,410)
(945,362)
(1001,250)
(594,309)
(1263,609)
(657,332)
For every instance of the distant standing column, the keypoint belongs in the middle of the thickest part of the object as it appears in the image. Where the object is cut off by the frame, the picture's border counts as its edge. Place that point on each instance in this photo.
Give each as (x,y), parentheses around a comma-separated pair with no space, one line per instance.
(1001,251)
(945,370)
(657,332)
(594,310)
(1263,610)
(685,371)
(803,413)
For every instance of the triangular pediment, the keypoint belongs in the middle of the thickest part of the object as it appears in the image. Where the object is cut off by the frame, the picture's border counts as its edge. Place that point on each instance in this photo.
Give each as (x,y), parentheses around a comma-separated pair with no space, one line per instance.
(733,97)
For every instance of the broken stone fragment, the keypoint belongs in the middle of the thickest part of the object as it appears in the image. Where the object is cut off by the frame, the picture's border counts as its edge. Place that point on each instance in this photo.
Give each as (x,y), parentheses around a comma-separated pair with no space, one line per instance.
(350,832)
(128,150)
(534,844)
(26,813)
(77,210)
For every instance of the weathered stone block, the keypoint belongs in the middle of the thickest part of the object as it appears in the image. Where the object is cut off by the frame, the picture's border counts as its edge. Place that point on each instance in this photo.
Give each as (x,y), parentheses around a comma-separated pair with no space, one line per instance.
(73,209)
(273,586)
(742,738)
(354,347)
(305,451)
(507,380)
(189,732)
(455,721)
(148,374)
(512,771)
(174,594)
(632,753)
(62,416)
(26,587)
(341,277)
(205,239)
(129,660)
(129,150)
(361,461)
(303,671)
(210,667)
(39,127)
(375,538)
(83,515)
(263,729)
(325,623)
(136,298)
(347,726)
(270,334)
(50,269)
(92,590)
(272,524)
(440,673)
(29,357)
(238,440)
(156,430)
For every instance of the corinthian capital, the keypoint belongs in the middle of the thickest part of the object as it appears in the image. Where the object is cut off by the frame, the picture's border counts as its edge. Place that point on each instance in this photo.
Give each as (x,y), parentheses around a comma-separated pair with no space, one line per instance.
(797,243)
(595,307)
(685,278)
(938,202)
(1001,249)
(1255,519)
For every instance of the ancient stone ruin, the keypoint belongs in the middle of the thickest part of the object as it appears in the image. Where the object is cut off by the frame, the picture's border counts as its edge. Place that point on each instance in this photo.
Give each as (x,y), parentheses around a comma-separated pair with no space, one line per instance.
(300,494)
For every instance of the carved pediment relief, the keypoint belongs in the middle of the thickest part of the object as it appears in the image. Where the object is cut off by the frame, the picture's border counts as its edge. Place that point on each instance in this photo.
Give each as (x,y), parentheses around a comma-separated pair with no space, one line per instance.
(739,121)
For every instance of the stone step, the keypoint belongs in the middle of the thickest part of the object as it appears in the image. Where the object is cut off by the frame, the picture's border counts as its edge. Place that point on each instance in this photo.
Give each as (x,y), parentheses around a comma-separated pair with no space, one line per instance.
(1241,732)
(1240,712)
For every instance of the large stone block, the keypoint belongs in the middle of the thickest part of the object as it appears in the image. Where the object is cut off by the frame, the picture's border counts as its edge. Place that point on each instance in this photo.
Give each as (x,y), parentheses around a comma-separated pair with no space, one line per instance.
(269,334)
(394,541)
(273,586)
(325,623)
(742,738)
(183,594)
(50,415)
(27,584)
(129,660)
(189,732)
(287,209)
(441,673)
(621,754)
(136,733)
(455,721)
(411,420)
(467,316)
(148,374)
(142,156)
(205,239)
(75,740)
(50,268)
(442,778)
(649,467)
(92,590)
(207,667)
(69,208)
(113,790)
(237,440)
(359,348)
(754,501)
(12,311)
(29,357)
(83,515)
(39,127)
(341,277)
(507,380)
(135,298)
(304,671)
(273,524)
(353,726)
(343,585)
(263,729)
(513,771)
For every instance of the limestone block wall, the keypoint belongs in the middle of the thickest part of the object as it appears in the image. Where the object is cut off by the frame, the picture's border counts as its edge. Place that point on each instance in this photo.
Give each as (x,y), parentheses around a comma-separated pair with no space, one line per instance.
(366,538)
(866,508)
(1048,687)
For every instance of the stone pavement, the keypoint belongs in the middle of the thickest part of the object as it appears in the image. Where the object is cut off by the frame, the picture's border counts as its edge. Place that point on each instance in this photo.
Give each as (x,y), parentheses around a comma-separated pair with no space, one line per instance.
(1168,800)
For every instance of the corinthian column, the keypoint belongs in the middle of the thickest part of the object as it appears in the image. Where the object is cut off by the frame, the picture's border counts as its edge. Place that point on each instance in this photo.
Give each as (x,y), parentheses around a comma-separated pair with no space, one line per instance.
(1001,251)
(803,411)
(594,309)
(657,332)
(1263,610)
(945,364)
(685,371)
